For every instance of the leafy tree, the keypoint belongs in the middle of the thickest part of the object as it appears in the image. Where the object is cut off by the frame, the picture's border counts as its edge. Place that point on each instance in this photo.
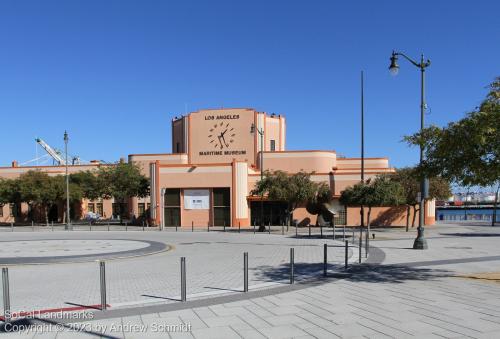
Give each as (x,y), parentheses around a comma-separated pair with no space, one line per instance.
(409,178)
(9,192)
(381,191)
(295,189)
(89,184)
(466,152)
(122,181)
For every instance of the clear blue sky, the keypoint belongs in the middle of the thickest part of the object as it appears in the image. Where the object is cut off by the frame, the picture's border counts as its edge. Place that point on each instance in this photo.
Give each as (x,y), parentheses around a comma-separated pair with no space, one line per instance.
(114,73)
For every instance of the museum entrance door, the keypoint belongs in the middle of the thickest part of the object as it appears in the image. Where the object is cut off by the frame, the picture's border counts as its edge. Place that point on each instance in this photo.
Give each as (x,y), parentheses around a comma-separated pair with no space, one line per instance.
(274,212)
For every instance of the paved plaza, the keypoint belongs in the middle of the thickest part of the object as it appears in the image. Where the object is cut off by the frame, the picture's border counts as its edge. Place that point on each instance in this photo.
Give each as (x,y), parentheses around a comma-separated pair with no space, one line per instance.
(451,290)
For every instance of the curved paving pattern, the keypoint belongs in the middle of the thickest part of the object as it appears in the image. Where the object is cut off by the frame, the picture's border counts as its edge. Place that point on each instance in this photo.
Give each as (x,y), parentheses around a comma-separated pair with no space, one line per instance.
(73,250)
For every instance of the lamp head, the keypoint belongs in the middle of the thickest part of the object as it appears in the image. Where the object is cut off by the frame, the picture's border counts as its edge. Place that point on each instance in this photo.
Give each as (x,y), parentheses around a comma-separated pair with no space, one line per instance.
(394,67)
(65,136)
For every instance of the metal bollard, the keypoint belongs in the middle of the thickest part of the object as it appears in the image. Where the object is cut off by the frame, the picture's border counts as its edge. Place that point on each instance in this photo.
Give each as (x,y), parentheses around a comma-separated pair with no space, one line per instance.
(282,229)
(292,273)
(239,227)
(6,294)
(102,276)
(309,230)
(32,225)
(352,234)
(176,227)
(208,226)
(12,227)
(183,279)
(143,226)
(269,228)
(52,225)
(333,225)
(296,231)
(346,253)
(321,231)
(325,259)
(245,272)
(254,227)
(360,242)
(224,226)
(192,226)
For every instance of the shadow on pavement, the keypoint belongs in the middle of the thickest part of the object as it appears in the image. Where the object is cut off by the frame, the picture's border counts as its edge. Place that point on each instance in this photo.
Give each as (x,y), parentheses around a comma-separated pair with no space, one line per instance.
(373,273)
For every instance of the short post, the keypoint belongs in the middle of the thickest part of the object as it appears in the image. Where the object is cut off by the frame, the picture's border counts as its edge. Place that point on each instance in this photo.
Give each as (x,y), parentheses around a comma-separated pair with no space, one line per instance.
(269,228)
(321,231)
(325,259)
(183,279)
(102,276)
(254,227)
(352,234)
(224,226)
(12,227)
(245,272)
(333,225)
(346,253)
(192,226)
(32,225)
(309,230)
(208,226)
(6,294)
(282,229)
(296,231)
(239,226)
(360,242)
(143,226)
(176,227)
(367,242)
(292,273)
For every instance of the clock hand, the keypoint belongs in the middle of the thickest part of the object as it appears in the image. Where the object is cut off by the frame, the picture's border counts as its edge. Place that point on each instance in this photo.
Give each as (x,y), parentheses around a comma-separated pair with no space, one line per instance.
(225,141)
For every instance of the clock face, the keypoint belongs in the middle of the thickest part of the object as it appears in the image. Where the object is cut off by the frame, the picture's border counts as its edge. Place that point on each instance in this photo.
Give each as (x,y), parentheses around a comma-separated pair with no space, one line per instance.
(221,135)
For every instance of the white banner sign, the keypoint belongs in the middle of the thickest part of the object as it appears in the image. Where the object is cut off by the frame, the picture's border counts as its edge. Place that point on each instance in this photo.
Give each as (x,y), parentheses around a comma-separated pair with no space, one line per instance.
(196,199)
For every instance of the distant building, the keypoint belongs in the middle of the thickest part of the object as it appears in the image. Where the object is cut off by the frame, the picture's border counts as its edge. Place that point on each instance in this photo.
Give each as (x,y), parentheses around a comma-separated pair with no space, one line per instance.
(208,177)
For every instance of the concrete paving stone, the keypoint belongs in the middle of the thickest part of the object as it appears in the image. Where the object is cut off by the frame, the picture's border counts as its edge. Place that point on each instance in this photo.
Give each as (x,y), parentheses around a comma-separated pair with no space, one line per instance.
(277,320)
(196,323)
(223,321)
(204,312)
(279,332)
(255,321)
(319,332)
(384,329)
(282,310)
(181,335)
(249,334)
(215,333)
(220,310)
(242,326)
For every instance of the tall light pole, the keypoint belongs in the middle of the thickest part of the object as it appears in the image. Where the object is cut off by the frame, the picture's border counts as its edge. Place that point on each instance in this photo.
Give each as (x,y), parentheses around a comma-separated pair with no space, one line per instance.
(261,134)
(68,219)
(420,243)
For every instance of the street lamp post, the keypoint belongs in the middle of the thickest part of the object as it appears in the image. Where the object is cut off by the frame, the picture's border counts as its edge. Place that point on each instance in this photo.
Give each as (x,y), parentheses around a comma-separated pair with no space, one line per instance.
(420,242)
(68,219)
(261,134)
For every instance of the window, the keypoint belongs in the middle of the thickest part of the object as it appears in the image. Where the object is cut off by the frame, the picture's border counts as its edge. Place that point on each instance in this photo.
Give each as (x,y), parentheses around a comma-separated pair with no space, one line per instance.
(141,209)
(100,209)
(178,148)
(273,145)
(172,207)
(222,206)
(91,207)
(11,210)
(119,210)
(1,210)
